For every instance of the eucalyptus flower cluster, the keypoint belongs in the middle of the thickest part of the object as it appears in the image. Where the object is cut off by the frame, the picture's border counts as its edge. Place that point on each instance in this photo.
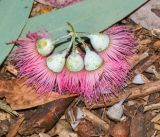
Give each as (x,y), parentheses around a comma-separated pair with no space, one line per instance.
(91,65)
(71,58)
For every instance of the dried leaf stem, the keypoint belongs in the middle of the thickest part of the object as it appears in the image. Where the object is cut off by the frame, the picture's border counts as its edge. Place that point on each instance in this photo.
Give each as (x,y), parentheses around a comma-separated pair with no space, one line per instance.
(136,92)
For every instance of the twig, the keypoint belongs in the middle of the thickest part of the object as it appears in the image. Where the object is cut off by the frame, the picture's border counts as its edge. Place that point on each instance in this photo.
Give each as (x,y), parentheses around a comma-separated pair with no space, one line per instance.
(156,118)
(95,120)
(138,58)
(14,128)
(152,107)
(147,64)
(136,92)
(62,129)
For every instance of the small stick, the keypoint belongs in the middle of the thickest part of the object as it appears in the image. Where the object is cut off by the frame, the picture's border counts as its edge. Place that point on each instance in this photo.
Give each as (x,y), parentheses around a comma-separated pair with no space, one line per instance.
(15,127)
(152,107)
(147,64)
(10,68)
(156,119)
(136,92)
(95,120)
(138,58)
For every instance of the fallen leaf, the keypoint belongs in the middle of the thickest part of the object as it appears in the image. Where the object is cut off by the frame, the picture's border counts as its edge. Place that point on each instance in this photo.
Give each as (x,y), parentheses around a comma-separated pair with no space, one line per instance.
(19,96)
(44,117)
(151,20)
(14,128)
(57,3)
(86,129)
(40,9)
(137,128)
(120,129)
(157,44)
(13,15)
(82,15)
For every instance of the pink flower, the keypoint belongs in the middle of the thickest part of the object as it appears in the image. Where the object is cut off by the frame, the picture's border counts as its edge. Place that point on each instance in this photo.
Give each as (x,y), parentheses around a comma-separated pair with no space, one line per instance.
(109,78)
(121,44)
(31,65)
(91,84)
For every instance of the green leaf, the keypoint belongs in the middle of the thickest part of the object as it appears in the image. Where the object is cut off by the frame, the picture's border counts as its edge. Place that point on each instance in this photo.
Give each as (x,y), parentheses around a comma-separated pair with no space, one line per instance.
(13,17)
(87,16)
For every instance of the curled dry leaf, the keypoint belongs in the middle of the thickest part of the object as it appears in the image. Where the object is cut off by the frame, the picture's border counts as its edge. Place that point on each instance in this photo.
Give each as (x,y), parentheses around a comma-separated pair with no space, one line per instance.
(20,96)
(57,3)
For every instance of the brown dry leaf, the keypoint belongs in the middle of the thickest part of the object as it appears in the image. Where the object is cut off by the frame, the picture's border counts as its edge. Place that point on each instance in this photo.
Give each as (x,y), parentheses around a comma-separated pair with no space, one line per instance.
(40,9)
(137,127)
(151,20)
(120,129)
(14,128)
(157,44)
(86,129)
(58,3)
(44,117)
(20,96)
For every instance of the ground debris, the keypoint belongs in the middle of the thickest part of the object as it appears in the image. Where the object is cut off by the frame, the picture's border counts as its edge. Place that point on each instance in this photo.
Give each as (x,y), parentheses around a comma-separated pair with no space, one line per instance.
(71,116)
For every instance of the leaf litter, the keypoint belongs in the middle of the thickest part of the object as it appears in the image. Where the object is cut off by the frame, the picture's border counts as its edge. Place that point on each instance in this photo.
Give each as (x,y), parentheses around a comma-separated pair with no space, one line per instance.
(39,114)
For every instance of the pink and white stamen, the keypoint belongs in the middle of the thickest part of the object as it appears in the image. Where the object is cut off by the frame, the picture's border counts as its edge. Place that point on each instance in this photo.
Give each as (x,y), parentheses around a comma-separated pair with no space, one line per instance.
(108,78)
(31,65)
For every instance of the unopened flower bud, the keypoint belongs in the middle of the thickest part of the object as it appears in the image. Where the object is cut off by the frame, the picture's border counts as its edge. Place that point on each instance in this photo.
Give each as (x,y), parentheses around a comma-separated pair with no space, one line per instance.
(99,42)
(44,46)
(92,60)
(74,62)
(56,62)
